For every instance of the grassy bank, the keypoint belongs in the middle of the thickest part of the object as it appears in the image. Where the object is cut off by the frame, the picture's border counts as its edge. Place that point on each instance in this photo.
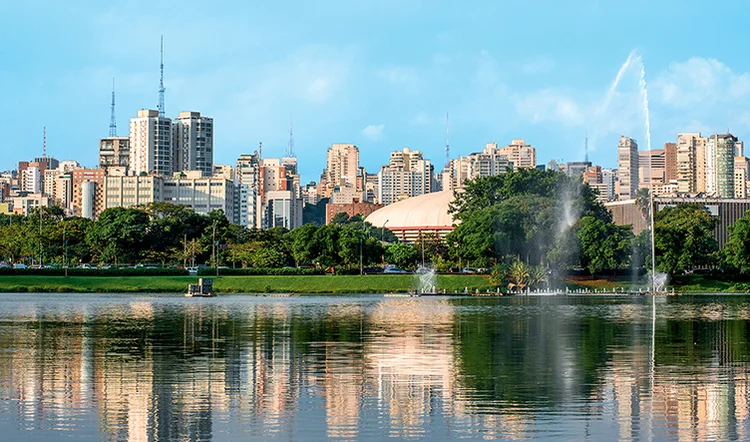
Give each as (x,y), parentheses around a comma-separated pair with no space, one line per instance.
(684,284)
(236,284)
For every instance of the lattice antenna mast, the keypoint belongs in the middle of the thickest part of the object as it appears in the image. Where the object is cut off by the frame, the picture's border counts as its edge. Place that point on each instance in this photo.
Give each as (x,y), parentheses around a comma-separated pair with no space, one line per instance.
(586,148)
(260,152)
(112,119)
(290,148)
(44,145)
(162,111)
(447,142)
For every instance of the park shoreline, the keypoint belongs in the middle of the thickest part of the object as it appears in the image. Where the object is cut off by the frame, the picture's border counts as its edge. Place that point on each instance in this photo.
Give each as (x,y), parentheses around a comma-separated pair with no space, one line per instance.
(319,284)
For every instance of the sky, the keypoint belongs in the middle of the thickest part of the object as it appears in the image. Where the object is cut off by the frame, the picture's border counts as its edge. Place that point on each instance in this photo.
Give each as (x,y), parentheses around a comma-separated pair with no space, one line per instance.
(379,74)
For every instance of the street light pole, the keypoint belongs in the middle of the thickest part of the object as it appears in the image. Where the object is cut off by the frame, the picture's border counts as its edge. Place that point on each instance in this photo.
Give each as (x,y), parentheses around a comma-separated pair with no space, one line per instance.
(382,235)
(65,242)
(216,264)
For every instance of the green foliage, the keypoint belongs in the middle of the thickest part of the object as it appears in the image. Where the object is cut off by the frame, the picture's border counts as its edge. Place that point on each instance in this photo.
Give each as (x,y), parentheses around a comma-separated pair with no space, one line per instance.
(403,255)
(684,238)
(315,213)
(604,246)
(736,251)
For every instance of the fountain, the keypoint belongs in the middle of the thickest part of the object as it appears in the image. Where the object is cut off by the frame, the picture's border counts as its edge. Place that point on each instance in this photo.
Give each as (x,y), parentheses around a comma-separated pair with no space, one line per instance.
(426,281)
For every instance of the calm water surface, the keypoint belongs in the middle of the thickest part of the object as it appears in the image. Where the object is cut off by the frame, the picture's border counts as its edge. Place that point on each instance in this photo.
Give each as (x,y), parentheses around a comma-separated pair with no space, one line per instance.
(148,368)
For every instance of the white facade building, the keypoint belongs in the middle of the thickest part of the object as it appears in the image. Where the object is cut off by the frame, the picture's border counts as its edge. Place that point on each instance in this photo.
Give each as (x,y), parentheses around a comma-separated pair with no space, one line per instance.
(408,174)
(151,147)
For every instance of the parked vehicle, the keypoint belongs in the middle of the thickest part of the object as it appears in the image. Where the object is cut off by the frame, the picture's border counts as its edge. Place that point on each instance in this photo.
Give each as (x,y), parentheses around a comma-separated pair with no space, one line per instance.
(468,270)
(372,270)
(394,270)
(20,266)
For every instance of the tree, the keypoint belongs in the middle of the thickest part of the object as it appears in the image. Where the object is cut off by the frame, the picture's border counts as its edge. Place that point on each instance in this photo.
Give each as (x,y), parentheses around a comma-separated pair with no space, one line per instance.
(736,251)
(604,246)
(684,237)
(403,255)
(303,245)
(315,213)
(340,219)
(119,235)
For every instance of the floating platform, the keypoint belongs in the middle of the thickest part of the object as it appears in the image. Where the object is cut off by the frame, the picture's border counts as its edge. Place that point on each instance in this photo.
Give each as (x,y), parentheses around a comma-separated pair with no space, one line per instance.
(204,289)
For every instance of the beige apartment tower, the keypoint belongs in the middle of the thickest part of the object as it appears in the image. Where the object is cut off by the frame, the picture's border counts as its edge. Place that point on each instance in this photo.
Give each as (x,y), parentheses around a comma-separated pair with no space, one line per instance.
(342,168)
(627,167)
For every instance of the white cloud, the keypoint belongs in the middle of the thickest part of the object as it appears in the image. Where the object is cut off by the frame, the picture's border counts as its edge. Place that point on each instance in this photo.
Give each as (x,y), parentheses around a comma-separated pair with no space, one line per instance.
(699,81)
(550,106)
(374,132)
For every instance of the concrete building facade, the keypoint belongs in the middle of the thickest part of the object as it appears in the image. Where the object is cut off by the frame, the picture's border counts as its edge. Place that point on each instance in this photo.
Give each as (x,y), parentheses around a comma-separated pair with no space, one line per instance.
(627,167)
(89,195)
(114,152)
(407,174)
(194,143)
(151,147)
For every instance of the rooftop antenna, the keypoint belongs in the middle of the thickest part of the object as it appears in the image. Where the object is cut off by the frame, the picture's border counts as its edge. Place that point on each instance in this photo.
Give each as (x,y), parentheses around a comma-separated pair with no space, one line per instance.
(260,151)
(44,146)
(162,111)
(290,148)
(112,119)
(586,148)
(447,142)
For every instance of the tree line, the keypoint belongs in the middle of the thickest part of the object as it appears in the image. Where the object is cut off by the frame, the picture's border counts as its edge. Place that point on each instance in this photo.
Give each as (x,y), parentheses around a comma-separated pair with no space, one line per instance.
(525,225)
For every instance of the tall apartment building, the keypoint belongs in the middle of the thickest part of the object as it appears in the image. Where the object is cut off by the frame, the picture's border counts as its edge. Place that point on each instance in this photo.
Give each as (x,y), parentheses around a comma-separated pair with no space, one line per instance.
(627,167)
(88,192)
(576,169)
(651,167)
(194,143)
(609,177)
(31,179)
(407,174)
(724,145)
(114,152)
(522,155)
(342,169)
(741,175)
(691,161)
(151,147)
(280,202)
(670,162)
(247,173)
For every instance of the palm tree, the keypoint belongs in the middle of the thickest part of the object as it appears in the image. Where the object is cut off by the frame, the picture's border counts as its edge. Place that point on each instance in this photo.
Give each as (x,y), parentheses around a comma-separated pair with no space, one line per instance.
(518,276)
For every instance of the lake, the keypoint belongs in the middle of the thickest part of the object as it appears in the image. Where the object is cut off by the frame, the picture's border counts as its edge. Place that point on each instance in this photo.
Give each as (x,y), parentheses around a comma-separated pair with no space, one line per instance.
(159,367)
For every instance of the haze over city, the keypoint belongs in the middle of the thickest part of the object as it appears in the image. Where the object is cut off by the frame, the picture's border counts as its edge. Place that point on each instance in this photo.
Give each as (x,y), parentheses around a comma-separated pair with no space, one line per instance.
(381,75)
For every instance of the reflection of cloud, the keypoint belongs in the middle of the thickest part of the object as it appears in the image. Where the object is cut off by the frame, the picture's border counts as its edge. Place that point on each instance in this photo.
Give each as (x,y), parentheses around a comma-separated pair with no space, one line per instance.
(374,132)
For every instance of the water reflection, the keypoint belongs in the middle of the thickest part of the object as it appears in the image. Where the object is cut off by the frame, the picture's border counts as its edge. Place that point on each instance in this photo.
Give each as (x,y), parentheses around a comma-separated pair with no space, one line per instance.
(147,369)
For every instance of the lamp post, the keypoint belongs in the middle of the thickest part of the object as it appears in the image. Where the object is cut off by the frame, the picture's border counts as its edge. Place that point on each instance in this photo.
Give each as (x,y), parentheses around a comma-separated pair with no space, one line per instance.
(382,235)
(65,243)
(216,264)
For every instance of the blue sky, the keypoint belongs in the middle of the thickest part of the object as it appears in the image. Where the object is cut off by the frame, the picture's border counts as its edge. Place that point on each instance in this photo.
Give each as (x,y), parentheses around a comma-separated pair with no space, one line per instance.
(380,74)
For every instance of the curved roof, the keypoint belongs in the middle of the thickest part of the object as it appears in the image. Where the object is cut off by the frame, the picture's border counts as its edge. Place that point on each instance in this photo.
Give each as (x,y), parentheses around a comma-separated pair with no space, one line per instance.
(429,210)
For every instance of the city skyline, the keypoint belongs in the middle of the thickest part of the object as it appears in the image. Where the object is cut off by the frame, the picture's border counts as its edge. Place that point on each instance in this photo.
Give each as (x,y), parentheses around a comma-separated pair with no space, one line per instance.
(367,90)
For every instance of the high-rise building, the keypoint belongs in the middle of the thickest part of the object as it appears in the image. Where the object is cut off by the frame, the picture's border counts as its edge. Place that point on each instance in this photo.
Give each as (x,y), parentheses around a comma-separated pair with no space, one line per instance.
(690,152)
(114,152)
(724,159)
(651,167)
(407,174)
(609,177)
(194,143)
(342,168)
(670,162)
(31,179)
(151,147)
(741,175)
(247,175)
(88,192)
(627,167)
(522,155)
